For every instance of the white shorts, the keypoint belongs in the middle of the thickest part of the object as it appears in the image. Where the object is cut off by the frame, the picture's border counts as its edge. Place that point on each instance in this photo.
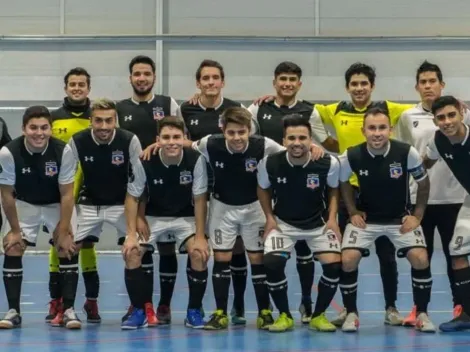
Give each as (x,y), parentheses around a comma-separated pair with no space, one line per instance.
(32,218)
(91,218)
(228,221)
(171,230)
(317,239)
(460,243)
(362,239)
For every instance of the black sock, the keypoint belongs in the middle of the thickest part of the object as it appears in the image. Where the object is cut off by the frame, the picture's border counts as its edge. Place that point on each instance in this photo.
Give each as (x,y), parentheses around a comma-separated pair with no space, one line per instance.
(13,278)
(422,283)
(327,287)
(188,270)
(134,281)
(462,287)
(55,285)
(221,284)
(348,286)
(388,270)
(197,288)
(91,279)
(258,277)
(305,269)
(275,266)
(148,283)
(168,268)
(239,269)
(69,271)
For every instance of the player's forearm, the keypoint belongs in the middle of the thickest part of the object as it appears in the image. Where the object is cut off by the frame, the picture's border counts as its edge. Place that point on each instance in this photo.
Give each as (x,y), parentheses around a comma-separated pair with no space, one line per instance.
(200,214)
(9,207)
(347,192)
(265,200)
(428,163)
(331,145)
(422,196)
(67,203)
(333,201)
(142,206)
(131,207)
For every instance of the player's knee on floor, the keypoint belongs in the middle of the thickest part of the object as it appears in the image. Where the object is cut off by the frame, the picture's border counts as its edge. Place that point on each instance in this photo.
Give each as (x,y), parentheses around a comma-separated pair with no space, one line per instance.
(275,261)
(350,259)
(418,258)
(460,262)
(166,249)
(14,248)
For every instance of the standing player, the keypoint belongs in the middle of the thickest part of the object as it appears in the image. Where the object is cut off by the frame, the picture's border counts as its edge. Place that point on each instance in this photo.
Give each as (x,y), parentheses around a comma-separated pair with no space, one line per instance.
(36,182)
(175,203)
(299,187)
(452,144)
(140,115)
(73,117)
(287,83)
(416,127)
(106,154)
(384,165)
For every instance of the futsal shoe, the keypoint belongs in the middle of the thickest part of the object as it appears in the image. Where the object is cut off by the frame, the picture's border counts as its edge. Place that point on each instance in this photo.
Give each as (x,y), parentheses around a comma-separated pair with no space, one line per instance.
(459,323)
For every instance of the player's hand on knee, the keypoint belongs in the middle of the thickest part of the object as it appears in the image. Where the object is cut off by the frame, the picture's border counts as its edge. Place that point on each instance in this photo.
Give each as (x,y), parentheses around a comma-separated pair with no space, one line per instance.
(264,99)
(316,151)
(65,243)
(409,223)
(152,149)
(332,225)
(143,229)
(271,225)
(194,100)
(13,239)
(201,246)
(130,245)
(358,219)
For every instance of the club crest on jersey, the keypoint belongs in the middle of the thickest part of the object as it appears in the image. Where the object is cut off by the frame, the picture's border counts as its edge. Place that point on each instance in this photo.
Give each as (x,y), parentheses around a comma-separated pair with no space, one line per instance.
(396,171)
(158,113)
(117,157)
(251,165)
(185,177)
(313,181)
(51,168)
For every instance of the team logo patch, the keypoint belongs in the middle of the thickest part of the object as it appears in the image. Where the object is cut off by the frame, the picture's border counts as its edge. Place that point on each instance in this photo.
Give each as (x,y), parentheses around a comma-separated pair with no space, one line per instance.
(415,124)
(396,171)
(185,177)
(158,113)
(51,168)
(313,181)
(251,165)
(117,157)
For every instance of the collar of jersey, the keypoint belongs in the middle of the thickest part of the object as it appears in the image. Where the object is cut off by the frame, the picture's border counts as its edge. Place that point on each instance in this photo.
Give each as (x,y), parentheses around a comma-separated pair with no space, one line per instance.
(420,107)
(232,152)
(97,143)
(32,153)
(215,108)
(166,165)
(384,154)
(138,102)
(304,165)
(289,106)
(466,134)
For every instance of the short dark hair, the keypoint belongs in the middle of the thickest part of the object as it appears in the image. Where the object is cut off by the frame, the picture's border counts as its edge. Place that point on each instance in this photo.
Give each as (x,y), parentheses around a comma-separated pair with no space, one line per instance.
(35,112)
(238,115)
(141,59)
(210,63)
(77,71)
(426,66)
(359,68)
(289,68)
(444,101)
(172,121)
(376,111)
(296,120)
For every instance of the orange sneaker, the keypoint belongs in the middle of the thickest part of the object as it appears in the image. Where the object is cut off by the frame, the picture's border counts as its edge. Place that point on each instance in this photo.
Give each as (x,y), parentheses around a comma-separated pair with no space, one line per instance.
(458,309)
(54,308)
(410,320)
(151,316)
(58,321)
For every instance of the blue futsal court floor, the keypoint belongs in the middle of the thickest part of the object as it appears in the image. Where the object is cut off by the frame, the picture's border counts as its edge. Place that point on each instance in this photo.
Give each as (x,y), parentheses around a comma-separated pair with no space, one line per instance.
(37,336)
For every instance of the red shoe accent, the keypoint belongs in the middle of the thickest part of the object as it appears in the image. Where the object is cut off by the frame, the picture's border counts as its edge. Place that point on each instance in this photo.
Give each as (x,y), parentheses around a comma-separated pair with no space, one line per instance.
(151,316)
(410,320)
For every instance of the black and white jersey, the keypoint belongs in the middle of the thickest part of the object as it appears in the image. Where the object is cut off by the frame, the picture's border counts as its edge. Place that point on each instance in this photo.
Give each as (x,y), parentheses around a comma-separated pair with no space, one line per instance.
(235,173)
(269,117)
(299,191)
(201,121)
(106,167)
(141,118)
(456,156)
(170,188)
(384,192)
(36,176)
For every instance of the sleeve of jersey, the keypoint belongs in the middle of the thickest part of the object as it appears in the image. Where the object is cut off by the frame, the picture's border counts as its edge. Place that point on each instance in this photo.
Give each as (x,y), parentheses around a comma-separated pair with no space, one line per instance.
(431,150)
(254,122)
(68,167)
(271,146)
(415,165)
(396,110)
(200,177)
(7,168)
(174,107)
(402,130)
(334,172)
(345,168)
(318,129)
(263,178)
(137,179)
(201,147)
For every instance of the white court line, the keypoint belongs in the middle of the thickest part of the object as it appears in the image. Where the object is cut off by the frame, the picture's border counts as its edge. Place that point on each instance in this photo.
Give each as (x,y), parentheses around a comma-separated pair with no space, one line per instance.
(406,293)
(27,303)
(46,282)
(125,294)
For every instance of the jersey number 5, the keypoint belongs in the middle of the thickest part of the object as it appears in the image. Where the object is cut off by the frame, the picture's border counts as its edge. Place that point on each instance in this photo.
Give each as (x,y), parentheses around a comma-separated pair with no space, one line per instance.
(353,237)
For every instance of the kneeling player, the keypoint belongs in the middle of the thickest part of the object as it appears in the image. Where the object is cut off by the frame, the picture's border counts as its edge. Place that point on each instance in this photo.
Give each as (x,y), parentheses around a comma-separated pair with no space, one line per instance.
(383,167)
(175,204)
(36,181)
(299,188)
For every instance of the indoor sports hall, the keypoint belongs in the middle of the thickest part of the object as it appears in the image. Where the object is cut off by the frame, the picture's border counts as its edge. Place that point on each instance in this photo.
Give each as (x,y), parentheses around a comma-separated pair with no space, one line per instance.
(40,40)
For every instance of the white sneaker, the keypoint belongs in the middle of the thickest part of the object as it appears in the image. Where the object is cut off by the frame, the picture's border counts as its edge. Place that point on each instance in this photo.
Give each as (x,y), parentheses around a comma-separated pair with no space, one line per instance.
(424,324)
(351,323)
(11,320)
(340,319)
(71,320)
(393,317)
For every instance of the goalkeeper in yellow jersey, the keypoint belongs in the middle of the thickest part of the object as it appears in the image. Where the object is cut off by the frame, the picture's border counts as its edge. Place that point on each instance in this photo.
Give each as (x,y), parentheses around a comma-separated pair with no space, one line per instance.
(73,117)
